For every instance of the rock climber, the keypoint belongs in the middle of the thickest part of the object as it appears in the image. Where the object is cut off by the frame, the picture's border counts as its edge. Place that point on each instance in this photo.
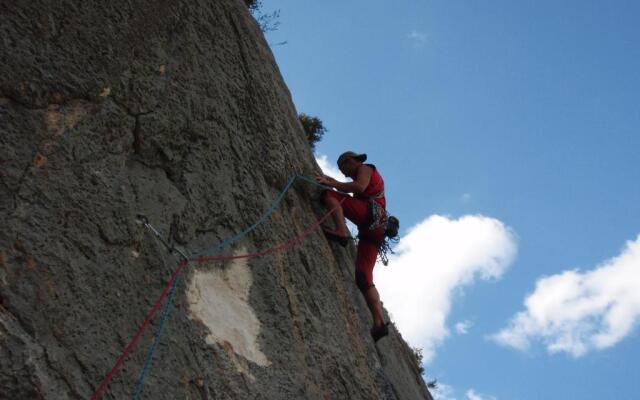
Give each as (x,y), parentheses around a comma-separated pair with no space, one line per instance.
(364,209)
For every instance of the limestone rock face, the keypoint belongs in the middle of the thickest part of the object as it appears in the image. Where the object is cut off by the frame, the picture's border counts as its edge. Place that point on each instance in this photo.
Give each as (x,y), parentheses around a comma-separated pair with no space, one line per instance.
(175,110)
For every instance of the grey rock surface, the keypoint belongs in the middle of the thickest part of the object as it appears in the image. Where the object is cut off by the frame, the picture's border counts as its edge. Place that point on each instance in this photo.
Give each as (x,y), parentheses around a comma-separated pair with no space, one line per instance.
(175,110)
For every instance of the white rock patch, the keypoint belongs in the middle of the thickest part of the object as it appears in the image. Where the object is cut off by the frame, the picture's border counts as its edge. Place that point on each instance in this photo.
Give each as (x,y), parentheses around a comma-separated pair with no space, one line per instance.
(219,298)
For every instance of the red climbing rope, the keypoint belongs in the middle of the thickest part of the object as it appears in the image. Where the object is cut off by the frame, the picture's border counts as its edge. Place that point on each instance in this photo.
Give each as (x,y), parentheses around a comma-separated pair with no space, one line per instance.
(127,350)
(154,309)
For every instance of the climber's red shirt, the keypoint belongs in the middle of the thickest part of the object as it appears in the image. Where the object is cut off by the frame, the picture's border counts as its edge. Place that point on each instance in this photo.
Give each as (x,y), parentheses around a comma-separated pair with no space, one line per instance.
(375,189)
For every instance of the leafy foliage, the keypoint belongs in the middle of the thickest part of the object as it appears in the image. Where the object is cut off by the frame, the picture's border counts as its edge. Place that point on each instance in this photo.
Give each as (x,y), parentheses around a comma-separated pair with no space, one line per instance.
(313,128)
(268,21)
(252,4)
(417,353)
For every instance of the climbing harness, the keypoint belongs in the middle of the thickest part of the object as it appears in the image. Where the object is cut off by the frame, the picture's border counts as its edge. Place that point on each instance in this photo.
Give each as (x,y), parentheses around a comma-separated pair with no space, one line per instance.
(377,217)
(393,226)
(386,249)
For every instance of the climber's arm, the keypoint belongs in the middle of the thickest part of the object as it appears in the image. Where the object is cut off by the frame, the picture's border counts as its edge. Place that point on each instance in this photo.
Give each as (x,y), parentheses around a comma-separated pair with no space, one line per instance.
(357,186)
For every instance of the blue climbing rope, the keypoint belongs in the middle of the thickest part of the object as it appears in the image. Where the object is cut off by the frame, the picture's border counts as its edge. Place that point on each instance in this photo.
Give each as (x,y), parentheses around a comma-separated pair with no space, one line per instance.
(156,341)
(252,227)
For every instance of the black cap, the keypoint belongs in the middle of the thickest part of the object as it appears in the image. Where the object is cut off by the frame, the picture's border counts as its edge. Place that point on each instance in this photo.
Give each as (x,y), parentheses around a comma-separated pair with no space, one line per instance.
(350,154)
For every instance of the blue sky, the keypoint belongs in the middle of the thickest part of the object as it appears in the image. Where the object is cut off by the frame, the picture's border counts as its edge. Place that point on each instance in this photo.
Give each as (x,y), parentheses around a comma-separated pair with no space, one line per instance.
(516,122)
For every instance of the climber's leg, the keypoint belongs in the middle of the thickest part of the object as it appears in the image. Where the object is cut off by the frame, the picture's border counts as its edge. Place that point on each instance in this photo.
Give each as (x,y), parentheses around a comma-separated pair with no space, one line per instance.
(338,215)
(353,209)
(365,261)
(373,302)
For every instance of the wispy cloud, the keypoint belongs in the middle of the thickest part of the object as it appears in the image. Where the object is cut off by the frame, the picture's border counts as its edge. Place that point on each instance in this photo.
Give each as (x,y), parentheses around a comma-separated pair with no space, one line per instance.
(472,395)
(434,260)
(577,312)
(462,328)
(446,392)
(417,38)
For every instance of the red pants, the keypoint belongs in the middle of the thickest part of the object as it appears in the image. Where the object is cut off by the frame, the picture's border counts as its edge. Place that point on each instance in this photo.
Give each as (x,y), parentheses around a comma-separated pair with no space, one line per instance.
(369,242)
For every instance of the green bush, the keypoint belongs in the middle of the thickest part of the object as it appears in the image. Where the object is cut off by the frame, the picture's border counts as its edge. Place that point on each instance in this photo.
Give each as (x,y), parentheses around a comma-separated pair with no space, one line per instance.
(417,353)
(313,128)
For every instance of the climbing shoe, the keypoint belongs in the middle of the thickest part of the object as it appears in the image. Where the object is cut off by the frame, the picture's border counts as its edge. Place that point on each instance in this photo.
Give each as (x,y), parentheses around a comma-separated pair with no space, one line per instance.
(342,240)
(379,333)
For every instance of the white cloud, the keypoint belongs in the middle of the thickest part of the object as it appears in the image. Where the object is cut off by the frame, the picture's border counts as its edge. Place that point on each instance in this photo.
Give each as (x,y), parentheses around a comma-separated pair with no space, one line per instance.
(472,395)
(328,167)
(417,38)
(577,312)
(436,257)
(462,328)
(442,392)
(446,392)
